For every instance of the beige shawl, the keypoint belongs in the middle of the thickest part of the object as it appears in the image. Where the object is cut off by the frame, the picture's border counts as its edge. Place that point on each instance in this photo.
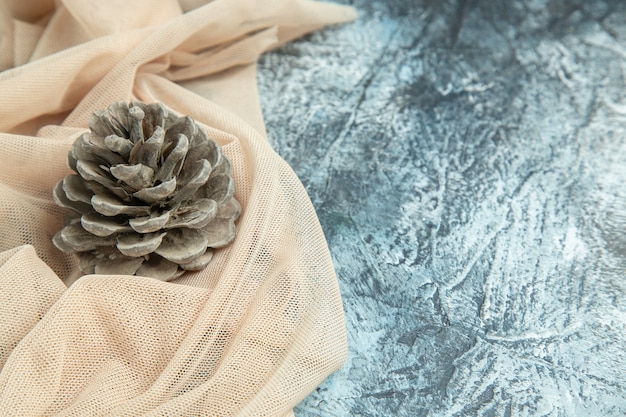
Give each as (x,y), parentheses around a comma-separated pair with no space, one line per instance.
(253,333)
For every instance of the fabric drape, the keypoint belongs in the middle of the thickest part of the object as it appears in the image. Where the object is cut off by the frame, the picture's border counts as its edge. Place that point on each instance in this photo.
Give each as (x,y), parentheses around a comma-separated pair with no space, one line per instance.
(250,335)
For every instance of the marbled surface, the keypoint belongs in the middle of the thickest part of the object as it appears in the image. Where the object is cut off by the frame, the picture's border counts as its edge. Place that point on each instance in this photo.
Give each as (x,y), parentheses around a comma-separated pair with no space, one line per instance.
(467,161)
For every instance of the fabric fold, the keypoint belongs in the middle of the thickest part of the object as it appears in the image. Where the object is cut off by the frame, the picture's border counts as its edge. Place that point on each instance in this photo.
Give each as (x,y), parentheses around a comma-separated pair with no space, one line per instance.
(28,288)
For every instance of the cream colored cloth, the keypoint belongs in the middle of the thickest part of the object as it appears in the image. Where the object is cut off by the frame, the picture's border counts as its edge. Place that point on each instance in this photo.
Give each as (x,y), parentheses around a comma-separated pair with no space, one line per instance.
(253,333)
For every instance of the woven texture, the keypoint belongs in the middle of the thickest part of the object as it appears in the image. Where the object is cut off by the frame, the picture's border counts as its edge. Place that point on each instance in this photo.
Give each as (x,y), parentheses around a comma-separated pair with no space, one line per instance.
(251,334)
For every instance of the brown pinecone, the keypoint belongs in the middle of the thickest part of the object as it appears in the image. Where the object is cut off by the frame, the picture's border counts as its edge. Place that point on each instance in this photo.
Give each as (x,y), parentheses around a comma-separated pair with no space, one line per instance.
(152,195)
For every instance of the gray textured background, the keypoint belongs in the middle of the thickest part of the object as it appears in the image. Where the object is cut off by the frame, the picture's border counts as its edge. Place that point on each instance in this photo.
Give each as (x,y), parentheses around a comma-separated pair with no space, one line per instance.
(467,163)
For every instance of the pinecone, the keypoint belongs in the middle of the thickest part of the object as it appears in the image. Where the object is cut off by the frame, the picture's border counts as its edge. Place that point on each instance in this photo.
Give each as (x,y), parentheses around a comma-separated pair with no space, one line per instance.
(152,195)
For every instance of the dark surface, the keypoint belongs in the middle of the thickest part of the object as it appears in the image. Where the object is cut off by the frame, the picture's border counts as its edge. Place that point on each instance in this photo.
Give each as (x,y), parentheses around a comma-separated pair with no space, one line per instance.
(467,163)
